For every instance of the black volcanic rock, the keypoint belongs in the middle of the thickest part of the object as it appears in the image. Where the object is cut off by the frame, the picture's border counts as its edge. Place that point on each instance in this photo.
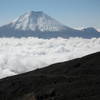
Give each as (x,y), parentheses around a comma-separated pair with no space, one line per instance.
(77,79)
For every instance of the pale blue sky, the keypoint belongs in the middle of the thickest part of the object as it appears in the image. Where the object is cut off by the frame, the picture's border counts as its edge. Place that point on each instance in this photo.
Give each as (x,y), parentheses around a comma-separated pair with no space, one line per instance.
(73,13)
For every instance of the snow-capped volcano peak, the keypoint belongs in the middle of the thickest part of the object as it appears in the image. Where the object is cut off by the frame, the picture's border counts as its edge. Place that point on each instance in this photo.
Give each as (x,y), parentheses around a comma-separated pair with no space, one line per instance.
(36,21)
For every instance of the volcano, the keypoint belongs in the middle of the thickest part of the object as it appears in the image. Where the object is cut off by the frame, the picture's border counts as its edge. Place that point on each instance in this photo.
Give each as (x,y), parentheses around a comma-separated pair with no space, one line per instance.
(39,24)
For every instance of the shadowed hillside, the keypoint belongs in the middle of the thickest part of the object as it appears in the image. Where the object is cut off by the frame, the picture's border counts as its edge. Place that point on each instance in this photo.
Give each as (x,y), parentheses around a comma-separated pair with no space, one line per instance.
(77,79)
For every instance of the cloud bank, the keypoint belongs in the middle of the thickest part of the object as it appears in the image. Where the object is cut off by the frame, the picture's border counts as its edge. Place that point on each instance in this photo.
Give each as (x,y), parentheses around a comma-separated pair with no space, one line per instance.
(26,54)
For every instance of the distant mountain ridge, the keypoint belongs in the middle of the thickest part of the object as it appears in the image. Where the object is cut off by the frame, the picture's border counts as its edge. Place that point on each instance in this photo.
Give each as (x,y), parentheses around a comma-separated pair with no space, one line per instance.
(35,23)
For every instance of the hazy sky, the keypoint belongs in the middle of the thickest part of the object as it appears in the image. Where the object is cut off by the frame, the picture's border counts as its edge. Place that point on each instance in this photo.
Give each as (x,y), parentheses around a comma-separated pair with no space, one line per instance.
(73,13)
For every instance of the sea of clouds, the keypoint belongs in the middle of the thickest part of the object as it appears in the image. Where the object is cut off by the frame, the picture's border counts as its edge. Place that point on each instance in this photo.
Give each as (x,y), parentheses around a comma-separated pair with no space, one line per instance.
(26,54)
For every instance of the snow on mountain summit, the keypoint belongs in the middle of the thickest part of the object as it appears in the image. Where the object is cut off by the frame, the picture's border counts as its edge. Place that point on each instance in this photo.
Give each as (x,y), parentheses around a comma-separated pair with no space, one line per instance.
(37,21)
(33,24)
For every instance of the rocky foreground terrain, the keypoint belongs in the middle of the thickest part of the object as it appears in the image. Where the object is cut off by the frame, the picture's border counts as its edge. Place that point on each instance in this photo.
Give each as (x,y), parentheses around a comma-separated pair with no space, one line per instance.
(77,79)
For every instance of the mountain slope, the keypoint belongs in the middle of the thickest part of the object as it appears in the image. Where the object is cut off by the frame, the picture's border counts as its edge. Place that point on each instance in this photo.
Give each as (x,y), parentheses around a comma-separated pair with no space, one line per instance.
(72,80)
(37,21)
(39,24)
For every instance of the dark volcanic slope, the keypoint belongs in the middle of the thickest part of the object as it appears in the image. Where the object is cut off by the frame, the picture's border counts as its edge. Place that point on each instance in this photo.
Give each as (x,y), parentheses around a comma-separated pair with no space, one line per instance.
(77,79)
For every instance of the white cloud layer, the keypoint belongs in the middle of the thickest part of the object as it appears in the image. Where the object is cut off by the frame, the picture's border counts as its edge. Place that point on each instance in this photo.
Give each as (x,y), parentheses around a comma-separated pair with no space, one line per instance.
(26,54)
